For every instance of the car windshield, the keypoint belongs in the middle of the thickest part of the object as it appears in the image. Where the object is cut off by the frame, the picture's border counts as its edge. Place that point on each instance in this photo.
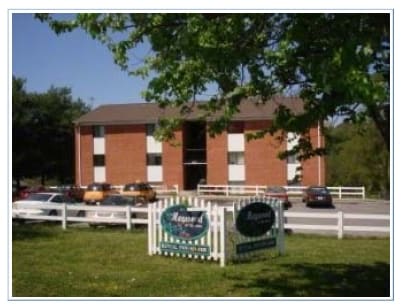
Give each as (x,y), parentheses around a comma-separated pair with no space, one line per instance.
(39,197)
(319,190)
(117,200)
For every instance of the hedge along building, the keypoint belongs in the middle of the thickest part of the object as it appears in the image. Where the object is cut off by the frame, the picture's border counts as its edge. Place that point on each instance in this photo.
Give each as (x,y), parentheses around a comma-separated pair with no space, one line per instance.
(115,143)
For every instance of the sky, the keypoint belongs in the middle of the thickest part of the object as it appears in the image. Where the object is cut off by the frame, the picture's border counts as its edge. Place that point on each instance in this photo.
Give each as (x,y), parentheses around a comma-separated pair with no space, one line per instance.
(71,60)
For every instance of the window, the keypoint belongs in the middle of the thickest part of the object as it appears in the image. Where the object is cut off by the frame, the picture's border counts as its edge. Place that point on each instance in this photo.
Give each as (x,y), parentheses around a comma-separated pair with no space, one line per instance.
(99,160)
(58,199)
(236,127)
(236,158)
(292,159)
(154,159)
(98,131)
(150,129)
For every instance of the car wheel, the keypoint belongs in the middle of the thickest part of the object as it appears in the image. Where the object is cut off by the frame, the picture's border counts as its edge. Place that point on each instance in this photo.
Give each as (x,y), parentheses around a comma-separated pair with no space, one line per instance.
(53,213)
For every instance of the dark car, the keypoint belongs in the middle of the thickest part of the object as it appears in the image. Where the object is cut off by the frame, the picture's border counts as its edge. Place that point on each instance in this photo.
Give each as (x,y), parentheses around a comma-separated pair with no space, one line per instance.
(279,193)
(318,196)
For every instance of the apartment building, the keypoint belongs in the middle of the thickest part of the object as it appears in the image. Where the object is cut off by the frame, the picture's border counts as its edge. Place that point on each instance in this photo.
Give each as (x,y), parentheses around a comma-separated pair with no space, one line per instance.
(115,144)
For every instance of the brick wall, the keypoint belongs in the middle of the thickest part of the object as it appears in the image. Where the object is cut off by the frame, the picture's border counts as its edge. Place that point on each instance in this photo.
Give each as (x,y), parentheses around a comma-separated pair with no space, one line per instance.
(217,160)
(261,162)
(172,161)
(125,157)
(125,153)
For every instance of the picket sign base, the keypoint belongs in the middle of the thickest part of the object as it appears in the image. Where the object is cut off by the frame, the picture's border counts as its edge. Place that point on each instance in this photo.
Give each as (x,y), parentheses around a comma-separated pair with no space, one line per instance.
(216,242)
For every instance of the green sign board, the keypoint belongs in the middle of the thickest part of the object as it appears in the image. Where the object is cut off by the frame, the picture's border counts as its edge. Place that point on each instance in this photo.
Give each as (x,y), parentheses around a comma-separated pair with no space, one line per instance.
(255,219)
(184,248)
(183,224)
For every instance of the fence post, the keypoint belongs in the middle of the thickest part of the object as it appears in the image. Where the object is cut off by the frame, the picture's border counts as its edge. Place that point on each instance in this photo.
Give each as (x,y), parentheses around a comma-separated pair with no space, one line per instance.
(64,216)
(340,195)
(128,218)
(280,212)
(222,236)
(227,190)
(150,228)
(363,192)
(340,225)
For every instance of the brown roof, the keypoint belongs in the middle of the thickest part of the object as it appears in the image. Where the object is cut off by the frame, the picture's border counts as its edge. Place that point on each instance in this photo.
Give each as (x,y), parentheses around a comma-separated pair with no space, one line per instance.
(142,113)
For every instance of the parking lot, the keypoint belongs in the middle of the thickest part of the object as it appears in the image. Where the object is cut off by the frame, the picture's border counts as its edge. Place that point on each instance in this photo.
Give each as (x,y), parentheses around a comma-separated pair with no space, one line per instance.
(370,207)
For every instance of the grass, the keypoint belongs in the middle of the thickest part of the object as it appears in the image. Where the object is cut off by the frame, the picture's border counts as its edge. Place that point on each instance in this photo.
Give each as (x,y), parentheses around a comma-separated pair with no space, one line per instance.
(50,262)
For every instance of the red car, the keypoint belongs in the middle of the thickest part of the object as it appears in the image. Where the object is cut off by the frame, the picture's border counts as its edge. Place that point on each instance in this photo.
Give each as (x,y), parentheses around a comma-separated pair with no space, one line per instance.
(279,193)
(317,195)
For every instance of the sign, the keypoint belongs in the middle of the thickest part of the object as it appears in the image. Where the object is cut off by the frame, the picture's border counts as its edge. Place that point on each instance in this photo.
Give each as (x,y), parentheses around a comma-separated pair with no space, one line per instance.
(255,219)
(247,247)
(183,248)
(182,224)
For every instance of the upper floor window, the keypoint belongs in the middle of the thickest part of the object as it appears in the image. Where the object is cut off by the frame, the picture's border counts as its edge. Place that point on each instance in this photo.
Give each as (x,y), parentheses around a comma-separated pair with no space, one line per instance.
(98,131)
(150,129)
(292,159)
(99,160)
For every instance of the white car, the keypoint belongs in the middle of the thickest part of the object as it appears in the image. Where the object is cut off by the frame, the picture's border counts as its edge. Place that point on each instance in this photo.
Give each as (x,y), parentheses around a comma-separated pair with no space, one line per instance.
(32,205)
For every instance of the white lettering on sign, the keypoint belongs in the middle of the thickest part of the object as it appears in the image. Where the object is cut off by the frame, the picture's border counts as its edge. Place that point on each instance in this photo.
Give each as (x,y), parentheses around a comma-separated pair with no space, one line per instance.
(258,216)
(186,219)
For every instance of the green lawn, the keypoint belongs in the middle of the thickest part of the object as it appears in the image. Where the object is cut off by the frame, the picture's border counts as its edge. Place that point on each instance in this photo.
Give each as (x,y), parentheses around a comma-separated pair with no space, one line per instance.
(83,262)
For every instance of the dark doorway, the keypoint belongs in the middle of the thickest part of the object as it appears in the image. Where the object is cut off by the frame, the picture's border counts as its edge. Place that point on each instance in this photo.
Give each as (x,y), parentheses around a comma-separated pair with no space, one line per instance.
(194,174)
(194,152)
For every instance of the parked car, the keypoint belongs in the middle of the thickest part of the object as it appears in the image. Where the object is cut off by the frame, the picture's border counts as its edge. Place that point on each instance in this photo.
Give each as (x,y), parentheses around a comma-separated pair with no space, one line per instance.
(142,190)
(114,200)
(279,193)
(317,195)
(29,206)
(96,192)
(24,191)
(73,191)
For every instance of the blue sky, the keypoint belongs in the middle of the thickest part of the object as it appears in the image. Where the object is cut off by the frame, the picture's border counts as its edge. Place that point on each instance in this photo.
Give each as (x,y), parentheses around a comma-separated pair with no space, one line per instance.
(73,60)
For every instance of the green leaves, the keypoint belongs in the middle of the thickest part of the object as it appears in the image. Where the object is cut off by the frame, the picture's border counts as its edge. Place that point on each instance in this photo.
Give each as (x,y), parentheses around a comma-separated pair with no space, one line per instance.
(43,132)
(333,61)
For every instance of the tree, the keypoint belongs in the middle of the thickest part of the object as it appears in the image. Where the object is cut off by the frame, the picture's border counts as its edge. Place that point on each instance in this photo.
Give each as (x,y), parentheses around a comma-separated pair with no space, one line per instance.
(337,63)
(43,134)
(358,156)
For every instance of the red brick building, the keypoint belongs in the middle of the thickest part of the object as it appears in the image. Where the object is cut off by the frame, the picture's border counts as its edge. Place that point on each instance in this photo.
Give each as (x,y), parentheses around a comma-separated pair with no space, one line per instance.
(115,143)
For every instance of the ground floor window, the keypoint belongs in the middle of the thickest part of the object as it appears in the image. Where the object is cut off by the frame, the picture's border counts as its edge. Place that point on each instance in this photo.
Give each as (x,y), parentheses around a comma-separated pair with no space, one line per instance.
(236,158)
(154,159)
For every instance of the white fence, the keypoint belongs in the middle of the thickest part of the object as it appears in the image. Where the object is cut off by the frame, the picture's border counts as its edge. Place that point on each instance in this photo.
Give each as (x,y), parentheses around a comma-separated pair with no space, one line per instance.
(258,190)
(339,226)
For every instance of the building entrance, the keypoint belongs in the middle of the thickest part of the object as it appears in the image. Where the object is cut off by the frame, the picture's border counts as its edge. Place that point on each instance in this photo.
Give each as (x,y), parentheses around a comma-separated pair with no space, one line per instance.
(194,147)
